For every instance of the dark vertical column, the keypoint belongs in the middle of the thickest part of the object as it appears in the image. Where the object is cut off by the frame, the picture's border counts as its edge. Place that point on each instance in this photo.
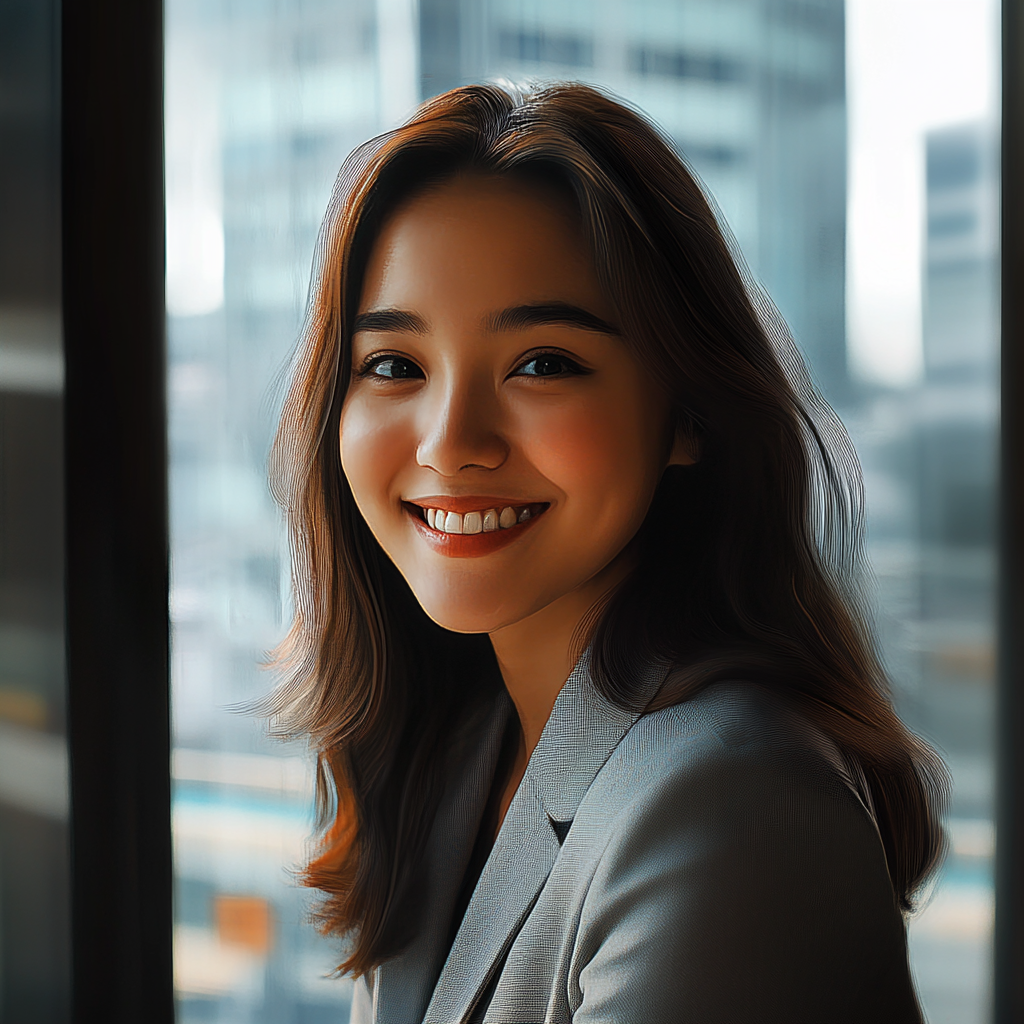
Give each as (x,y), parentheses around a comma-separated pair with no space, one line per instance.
(117,549)
(1009,937)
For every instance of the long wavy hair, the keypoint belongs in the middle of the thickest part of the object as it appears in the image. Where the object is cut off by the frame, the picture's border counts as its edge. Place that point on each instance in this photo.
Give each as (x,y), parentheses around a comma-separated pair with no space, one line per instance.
(747,560)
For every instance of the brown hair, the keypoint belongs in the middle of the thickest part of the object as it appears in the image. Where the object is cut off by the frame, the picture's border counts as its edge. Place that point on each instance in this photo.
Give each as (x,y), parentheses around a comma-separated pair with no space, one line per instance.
(747,559)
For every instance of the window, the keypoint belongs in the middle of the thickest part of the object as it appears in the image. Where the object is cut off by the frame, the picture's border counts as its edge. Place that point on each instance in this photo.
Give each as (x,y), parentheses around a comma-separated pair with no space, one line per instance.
(757,97)
(853,150)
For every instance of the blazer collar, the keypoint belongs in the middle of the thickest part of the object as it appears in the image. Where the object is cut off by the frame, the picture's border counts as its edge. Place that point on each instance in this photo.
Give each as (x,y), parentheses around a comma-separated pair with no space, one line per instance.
(583,730)
(578,739)
(402,986)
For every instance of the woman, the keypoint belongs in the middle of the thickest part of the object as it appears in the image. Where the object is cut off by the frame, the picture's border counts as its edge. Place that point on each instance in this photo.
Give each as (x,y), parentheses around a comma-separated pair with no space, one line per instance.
(601,732)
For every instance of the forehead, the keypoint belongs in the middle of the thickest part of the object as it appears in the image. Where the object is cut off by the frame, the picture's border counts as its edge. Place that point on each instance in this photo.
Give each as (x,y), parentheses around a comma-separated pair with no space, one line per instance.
(477,243)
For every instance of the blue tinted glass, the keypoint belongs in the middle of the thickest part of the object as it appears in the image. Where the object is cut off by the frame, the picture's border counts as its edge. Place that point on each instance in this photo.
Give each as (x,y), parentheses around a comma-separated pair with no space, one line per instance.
(850,149)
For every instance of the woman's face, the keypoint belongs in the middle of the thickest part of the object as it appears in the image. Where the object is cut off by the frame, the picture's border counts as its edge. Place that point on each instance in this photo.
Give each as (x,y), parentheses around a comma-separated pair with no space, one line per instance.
(499,437)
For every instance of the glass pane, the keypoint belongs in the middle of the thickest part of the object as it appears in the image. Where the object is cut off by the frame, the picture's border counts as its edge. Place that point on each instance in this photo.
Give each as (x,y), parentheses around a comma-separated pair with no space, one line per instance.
(850,148)
(34,869)
(923,342)
(263,102)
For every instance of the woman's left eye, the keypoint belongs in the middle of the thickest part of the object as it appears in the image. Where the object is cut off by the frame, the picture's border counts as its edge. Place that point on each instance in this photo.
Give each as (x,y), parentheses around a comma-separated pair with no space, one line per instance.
(548,365)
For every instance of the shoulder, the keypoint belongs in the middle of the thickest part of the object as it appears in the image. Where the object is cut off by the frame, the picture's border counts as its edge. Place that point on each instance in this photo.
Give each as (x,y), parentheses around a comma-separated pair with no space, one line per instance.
(733,845)
(737,798)
(733,715)
(734,739)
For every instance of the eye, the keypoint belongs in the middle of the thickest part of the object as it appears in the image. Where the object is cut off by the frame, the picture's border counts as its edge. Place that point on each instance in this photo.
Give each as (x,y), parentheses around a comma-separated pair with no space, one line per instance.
(392,368)
(549,364)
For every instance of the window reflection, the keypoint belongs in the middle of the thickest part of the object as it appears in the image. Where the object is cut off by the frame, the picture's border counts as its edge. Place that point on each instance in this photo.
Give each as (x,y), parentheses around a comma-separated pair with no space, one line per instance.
(263,104)
(34,868)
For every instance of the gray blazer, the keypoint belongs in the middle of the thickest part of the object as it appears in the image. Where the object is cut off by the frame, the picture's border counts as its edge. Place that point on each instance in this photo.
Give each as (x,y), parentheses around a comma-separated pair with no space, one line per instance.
(711,862)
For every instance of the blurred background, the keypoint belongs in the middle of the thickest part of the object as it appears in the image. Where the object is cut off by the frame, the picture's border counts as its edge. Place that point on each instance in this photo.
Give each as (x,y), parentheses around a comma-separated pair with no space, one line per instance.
(34,886)
(851,148)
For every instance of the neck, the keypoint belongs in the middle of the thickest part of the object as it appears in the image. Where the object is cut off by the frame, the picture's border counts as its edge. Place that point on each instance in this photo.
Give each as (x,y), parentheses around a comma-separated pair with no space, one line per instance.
(537,653)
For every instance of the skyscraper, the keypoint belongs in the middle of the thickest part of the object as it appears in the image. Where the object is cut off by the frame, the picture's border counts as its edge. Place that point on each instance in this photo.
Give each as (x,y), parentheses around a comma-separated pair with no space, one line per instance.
(947,445)
(958,413)
(752,92)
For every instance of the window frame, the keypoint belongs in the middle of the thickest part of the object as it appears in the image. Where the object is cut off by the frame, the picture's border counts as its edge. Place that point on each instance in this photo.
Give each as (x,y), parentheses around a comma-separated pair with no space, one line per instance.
(116,510)
(117,520)
(1009,861)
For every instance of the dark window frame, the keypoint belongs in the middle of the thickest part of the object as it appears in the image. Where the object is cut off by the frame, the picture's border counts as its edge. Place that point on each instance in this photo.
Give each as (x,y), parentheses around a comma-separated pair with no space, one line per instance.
(116,510)
(1009,871)
(117,537)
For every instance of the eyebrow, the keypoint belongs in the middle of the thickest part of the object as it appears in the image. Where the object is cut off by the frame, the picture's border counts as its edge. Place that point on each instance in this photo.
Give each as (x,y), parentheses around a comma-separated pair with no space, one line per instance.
(540,314)
(515,318)
(396,321)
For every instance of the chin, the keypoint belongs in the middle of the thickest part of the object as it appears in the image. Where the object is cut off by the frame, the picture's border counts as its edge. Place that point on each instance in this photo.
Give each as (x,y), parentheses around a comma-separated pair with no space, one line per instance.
(462,616)
(467,609)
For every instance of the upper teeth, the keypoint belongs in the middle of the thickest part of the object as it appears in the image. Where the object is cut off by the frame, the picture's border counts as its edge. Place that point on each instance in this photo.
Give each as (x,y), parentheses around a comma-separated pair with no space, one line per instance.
(484,521)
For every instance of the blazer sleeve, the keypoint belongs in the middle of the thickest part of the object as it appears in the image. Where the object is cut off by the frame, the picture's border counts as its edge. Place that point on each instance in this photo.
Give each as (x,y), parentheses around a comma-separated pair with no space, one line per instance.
(746,886)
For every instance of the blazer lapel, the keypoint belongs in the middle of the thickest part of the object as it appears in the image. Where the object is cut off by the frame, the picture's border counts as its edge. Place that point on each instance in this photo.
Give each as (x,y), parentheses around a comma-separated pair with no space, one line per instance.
(522,858)
(578,739)
(583,730)
(403,985)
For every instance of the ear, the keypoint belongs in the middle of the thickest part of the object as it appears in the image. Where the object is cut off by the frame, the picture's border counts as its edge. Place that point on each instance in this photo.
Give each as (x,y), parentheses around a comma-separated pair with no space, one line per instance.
(685,448)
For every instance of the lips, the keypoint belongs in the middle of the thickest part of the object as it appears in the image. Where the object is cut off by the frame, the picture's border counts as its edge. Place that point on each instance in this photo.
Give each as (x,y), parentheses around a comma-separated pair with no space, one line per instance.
(472,525)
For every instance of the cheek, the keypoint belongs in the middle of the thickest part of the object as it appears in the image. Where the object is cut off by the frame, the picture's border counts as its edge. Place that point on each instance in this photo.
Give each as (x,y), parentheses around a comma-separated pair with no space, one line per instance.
(373,450)
(599,450)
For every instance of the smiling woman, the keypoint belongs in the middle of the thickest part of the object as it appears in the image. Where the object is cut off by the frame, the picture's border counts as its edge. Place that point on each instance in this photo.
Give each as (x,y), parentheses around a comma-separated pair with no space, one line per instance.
(484,358)
(602,735)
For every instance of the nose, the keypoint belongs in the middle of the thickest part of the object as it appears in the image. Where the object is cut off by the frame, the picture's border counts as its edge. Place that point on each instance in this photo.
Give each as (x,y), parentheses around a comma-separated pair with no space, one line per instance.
(462,430)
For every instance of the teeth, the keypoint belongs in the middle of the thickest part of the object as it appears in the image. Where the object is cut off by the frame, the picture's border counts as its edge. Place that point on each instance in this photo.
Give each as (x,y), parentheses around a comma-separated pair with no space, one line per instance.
(485,521)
